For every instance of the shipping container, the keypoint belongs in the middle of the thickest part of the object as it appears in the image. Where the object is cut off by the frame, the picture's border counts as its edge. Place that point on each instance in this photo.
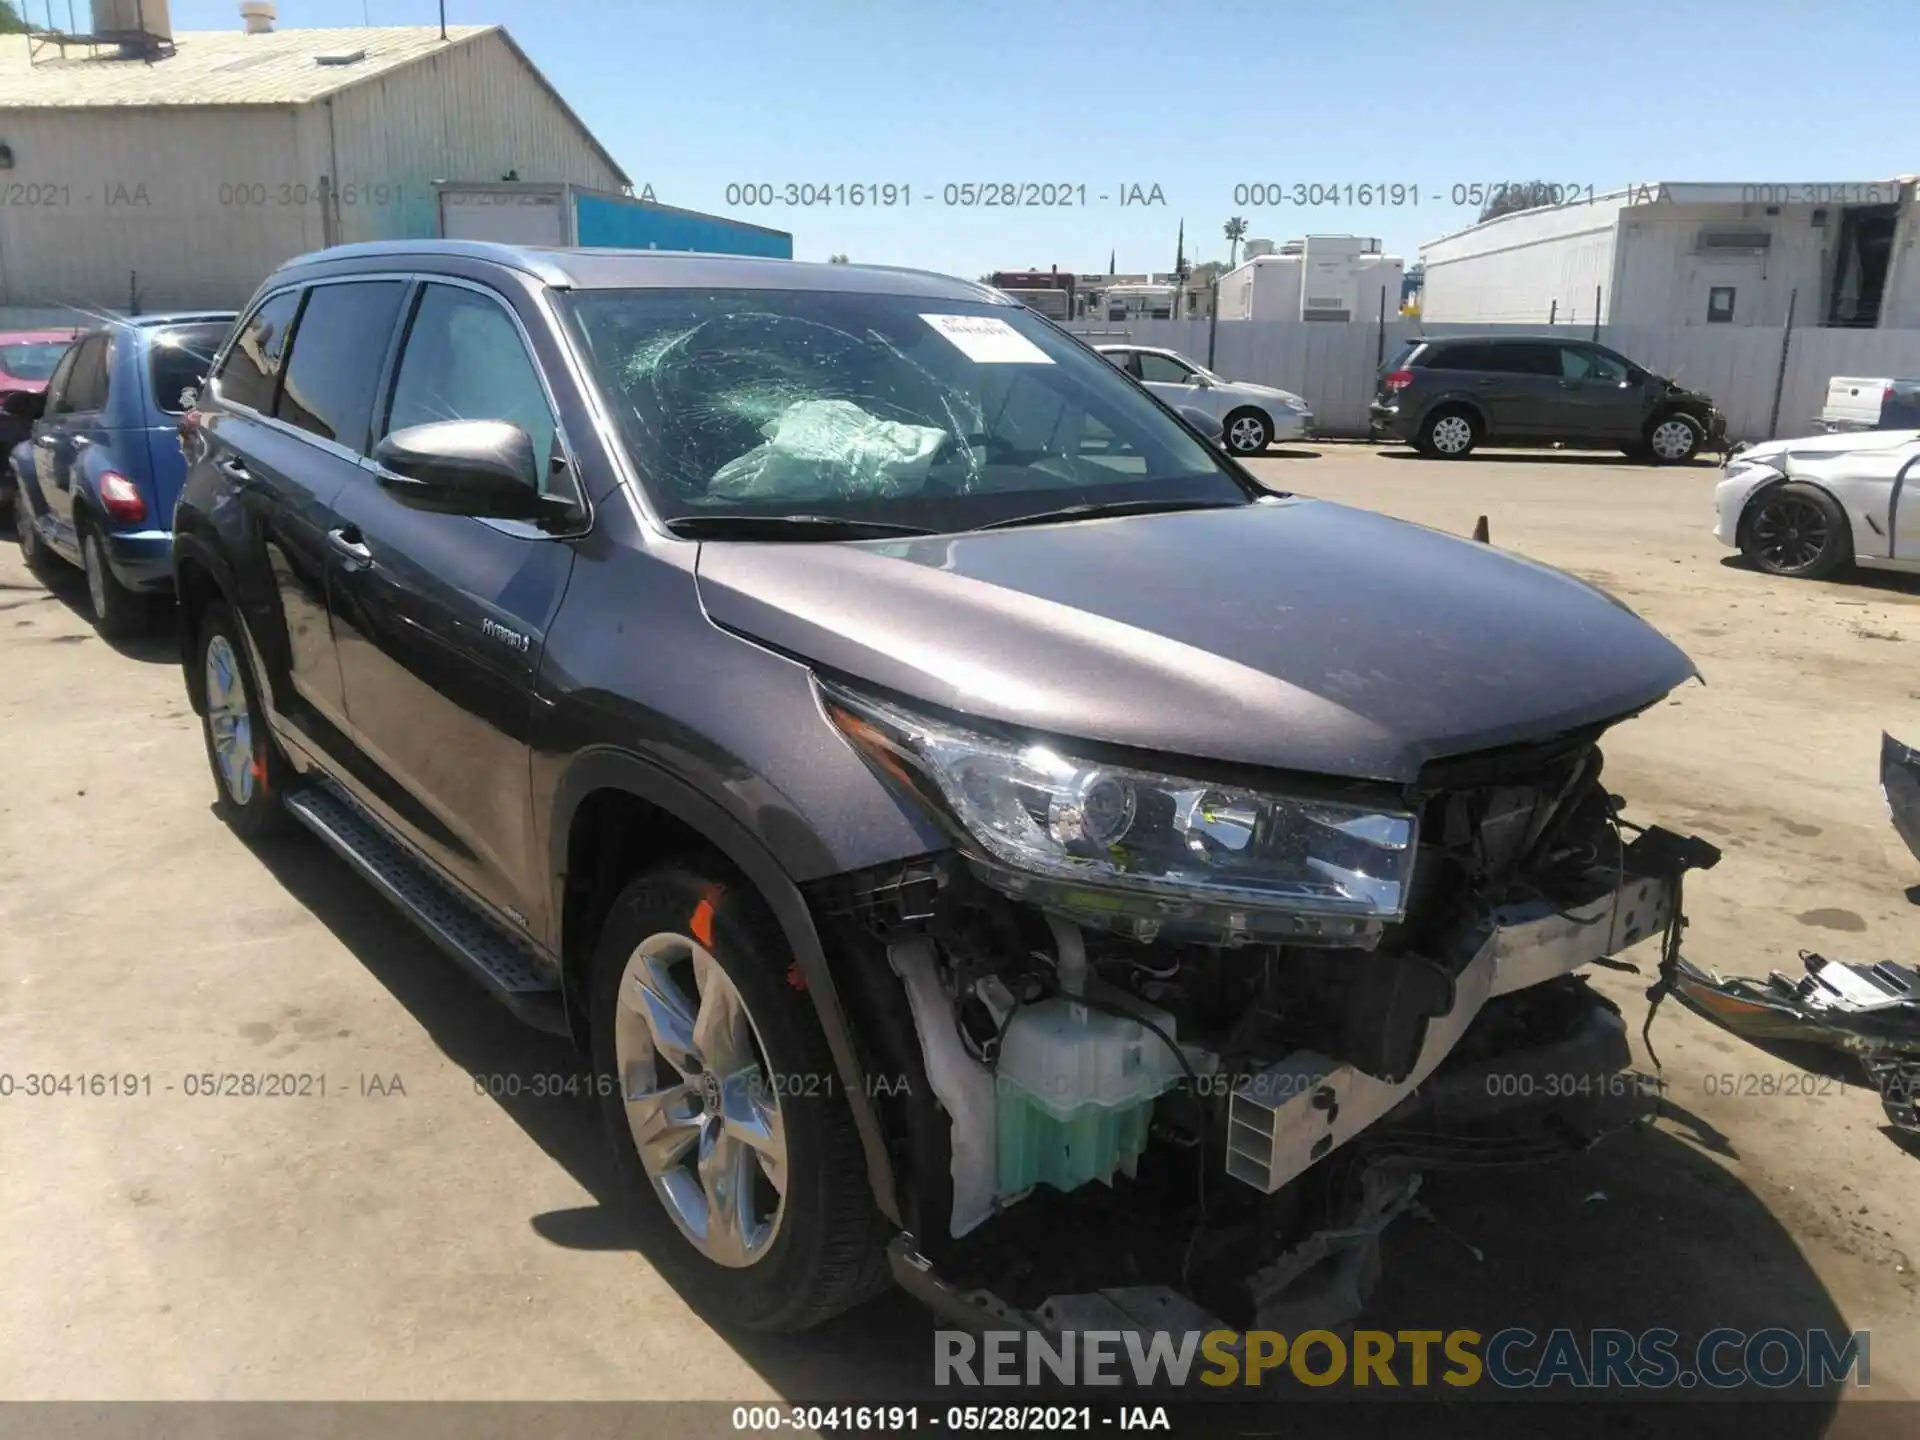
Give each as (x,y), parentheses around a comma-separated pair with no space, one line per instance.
(518,213)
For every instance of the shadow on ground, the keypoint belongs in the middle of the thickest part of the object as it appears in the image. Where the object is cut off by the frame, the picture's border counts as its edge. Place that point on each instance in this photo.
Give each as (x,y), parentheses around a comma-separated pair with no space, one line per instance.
(156,643)
(1646,1231)
(1886,582)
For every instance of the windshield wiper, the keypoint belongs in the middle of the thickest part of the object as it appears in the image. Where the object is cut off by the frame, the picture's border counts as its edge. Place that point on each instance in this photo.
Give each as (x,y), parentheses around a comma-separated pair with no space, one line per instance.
(788,527)
(1110,507)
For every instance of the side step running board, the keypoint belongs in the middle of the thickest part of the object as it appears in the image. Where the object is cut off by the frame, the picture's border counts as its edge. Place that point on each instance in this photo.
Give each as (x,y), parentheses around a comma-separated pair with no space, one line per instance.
(507,965)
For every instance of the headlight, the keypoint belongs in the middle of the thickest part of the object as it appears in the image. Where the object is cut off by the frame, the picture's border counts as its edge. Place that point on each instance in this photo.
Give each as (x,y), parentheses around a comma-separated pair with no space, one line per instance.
(1294,402)
(1140,850)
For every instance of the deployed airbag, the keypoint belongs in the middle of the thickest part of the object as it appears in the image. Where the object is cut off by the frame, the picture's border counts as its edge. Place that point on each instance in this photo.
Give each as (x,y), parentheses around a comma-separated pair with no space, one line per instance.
(830,450)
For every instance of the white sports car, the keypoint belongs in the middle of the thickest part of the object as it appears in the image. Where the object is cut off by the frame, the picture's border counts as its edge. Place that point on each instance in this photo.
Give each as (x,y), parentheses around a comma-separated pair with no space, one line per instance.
(1806,507)
(1251,416)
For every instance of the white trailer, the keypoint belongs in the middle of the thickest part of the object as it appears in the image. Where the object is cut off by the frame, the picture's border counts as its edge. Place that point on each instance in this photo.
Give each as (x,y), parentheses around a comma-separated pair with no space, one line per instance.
(1324,277)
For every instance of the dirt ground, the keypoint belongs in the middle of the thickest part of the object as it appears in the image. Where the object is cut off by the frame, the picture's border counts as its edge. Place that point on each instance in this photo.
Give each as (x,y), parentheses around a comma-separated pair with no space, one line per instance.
(406,1236)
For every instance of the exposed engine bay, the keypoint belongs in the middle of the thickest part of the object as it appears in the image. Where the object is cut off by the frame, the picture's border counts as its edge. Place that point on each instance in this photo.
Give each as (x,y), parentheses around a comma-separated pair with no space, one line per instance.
(1195,1114)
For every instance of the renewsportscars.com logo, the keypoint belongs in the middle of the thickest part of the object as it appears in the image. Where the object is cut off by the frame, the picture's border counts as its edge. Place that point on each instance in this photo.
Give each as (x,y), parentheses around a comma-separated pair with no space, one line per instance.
(1511,1359)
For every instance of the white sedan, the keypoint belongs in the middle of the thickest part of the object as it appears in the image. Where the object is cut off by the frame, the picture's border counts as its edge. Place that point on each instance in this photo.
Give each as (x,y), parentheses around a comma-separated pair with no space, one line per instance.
(1251,416)
(1806,507)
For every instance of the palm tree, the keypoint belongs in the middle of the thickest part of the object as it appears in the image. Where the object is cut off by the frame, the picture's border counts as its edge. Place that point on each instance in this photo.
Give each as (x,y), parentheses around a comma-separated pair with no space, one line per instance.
(1236,230)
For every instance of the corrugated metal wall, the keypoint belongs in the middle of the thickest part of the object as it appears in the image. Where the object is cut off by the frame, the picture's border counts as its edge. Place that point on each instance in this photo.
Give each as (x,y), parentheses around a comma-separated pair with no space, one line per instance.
(192,207)
(471,113)
(188,209)
(1333,366)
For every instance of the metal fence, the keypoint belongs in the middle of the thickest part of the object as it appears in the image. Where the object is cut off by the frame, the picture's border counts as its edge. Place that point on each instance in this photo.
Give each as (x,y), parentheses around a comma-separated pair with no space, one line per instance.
(1334,366)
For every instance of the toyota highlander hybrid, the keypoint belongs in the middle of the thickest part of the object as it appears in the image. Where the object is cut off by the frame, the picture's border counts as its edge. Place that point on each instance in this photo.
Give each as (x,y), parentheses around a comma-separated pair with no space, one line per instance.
(974,833)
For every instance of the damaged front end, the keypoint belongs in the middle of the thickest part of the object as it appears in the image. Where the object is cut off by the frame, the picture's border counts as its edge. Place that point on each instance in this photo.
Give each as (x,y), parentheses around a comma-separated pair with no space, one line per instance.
(1177,1050)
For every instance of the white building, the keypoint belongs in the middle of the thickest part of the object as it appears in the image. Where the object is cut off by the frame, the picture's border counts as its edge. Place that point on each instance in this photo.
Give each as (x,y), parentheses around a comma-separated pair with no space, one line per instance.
(1689,254)
(1323,277)
(173,171)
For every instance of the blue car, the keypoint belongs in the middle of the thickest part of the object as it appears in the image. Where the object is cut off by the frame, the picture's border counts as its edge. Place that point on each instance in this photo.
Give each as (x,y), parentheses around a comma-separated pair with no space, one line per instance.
(95,484)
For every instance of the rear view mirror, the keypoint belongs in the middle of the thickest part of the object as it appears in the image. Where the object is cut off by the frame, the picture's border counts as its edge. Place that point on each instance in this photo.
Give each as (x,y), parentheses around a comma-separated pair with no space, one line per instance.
(481,468)
(25,404)
(1209,426)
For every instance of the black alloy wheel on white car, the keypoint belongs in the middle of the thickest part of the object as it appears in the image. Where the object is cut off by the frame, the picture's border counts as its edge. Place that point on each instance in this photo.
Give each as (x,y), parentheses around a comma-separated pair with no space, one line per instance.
(1795,530)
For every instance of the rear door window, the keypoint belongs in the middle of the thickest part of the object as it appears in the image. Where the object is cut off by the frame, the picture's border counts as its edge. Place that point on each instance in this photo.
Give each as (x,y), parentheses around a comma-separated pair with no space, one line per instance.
(86,388)
(334,367)
(251,371)
(178,361)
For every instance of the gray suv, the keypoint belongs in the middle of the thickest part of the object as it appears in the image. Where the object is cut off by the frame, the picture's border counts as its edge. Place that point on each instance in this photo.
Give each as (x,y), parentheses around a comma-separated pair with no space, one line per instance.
(1448,396)
(972,833)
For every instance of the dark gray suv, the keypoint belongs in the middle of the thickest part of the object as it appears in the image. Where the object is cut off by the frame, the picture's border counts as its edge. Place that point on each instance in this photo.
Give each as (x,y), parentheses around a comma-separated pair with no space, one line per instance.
(1448,396)
(972,833)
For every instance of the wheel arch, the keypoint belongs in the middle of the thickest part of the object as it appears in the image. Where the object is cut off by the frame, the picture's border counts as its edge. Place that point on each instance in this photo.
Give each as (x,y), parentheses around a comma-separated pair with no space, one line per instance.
(1456,401)
(613,798)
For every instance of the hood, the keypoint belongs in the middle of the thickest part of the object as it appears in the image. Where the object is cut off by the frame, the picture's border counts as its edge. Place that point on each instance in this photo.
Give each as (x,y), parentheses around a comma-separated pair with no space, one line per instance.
(1290,634)
(1267,390)
(1821,447)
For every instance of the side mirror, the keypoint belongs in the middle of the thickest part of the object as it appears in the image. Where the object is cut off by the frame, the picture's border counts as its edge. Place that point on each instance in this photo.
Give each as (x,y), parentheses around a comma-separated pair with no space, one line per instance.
(1200,381)
(1211,429)
(481,468)
(25,404)
(1636,376)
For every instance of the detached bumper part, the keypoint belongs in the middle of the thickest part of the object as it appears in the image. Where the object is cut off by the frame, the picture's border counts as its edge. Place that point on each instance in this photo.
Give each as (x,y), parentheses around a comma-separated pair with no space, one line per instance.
(1288,1116)
(1900,782)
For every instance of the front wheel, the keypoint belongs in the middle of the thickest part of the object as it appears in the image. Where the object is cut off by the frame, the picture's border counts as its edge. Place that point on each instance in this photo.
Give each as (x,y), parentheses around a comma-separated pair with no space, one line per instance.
(249,773)
(1248,432)
(1674,439)
(747,1179)
(1796,530)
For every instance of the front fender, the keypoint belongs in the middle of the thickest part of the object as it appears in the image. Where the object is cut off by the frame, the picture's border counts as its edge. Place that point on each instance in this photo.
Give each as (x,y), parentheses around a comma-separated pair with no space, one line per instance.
(605,768)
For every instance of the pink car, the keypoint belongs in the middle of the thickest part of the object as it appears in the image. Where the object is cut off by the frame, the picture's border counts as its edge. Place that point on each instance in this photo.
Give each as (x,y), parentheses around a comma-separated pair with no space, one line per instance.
(27,358)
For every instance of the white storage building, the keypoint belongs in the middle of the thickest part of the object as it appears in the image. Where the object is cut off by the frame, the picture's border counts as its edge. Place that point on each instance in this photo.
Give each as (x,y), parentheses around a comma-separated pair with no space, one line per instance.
(1669,253)
(144,169)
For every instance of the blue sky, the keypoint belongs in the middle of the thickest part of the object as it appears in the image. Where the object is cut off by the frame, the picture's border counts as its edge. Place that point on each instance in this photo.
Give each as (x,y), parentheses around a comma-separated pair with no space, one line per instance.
(1195,96)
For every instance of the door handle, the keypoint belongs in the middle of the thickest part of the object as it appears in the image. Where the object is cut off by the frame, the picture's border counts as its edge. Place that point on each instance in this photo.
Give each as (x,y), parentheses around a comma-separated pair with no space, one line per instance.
(348,546)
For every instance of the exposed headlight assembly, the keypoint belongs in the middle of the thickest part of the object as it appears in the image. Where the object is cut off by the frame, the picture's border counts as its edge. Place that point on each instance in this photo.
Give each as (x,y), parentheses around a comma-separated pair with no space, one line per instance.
(1138,851)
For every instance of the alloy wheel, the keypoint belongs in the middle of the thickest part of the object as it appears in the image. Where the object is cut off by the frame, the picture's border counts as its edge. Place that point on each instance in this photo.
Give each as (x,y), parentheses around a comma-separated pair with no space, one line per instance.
(1789,533)
(1672,440)
(1452,434)
(1247,435)
(703,1112)
(229,720)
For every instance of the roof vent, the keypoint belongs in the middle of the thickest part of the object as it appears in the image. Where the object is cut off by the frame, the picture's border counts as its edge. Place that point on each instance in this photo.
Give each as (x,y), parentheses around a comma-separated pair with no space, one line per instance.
(341,57)
(257,16)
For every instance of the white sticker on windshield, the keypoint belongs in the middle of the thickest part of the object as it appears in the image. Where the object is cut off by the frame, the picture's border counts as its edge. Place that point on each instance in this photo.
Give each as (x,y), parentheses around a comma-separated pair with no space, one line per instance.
(988,340)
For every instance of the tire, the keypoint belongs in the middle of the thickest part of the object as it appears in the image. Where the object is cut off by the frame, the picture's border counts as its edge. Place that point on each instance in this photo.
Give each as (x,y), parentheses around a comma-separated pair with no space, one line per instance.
(250,775)
(1795,530)
(1674,438)
(117,611)
(33,552)
(805,1245)
(1247,432)
(1442,436)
